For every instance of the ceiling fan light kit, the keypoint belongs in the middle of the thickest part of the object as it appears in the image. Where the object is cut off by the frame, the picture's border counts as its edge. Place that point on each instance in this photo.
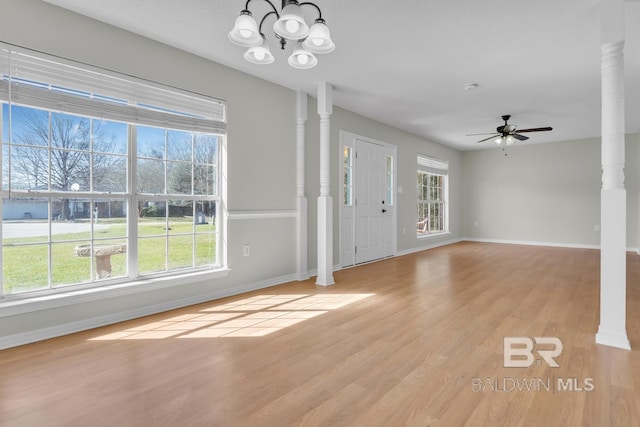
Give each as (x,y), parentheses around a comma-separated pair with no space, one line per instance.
(508,140)
(290,25)
(508,134)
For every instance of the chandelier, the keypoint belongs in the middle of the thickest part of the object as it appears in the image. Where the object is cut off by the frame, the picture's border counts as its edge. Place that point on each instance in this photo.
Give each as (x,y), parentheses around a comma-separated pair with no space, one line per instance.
(289,26)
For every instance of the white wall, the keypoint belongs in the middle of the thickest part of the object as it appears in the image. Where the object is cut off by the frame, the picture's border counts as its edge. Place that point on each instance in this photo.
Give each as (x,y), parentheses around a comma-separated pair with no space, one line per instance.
(261,165)
(542,193)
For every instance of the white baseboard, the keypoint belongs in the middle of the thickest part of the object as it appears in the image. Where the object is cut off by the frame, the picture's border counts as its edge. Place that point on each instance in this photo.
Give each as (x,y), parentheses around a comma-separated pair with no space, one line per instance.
(428,246)
(531,243)
(611,338)
(95,322)
(314,272)
(534,243)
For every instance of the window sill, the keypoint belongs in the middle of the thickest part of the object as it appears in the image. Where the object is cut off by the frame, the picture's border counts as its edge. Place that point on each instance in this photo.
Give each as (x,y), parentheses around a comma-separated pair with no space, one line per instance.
(12,307)
(432,235)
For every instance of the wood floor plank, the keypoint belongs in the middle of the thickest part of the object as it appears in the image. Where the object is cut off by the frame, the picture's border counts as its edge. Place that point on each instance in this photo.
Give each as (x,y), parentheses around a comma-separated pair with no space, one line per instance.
(416,340)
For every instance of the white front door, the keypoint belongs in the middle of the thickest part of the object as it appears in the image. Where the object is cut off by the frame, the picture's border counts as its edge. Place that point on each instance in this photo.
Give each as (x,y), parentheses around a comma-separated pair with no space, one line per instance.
(370,205)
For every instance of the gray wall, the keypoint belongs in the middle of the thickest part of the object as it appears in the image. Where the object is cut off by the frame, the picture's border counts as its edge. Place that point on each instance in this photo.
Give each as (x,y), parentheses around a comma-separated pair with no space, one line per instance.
(542,193)
(257,160)
(261,165)
(409,146)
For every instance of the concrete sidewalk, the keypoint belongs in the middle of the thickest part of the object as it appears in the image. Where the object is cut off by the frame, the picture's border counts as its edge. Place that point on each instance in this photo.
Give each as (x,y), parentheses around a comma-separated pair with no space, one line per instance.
(12,230)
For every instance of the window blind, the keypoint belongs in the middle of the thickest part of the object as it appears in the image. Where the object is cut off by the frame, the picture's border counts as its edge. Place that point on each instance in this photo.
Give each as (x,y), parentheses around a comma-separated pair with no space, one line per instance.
(432,165)
(60,85)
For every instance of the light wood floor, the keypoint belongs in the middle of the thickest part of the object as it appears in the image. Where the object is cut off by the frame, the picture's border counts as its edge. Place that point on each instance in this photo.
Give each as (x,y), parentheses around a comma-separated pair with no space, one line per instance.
(397,342)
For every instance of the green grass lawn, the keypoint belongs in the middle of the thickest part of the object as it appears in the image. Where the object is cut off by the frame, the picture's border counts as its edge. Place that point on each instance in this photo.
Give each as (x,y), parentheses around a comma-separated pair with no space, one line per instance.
(26,266)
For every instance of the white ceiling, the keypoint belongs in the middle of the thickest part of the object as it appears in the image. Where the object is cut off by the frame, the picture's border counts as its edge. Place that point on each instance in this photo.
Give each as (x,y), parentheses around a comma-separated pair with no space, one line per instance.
(405,63)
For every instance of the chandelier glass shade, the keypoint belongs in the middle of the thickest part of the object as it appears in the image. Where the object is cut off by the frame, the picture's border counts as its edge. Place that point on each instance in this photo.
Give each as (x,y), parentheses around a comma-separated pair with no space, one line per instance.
(259,54)
(319,39)
(289,25)
(301,58)
(245,31)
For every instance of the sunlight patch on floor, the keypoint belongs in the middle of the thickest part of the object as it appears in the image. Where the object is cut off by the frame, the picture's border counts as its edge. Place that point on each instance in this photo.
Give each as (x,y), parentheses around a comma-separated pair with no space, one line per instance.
(250,317)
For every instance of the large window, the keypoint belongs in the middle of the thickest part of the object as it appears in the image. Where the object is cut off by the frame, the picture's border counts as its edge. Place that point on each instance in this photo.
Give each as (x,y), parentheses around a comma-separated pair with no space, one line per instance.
(432,194)
(104,179)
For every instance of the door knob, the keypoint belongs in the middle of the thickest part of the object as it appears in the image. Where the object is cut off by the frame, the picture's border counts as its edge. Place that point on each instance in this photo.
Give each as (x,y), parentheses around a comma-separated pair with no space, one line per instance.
(384,210)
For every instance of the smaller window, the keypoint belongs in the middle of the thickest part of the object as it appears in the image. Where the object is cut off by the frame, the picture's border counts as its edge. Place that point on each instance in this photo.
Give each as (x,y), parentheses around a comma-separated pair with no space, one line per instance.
(432,195)
(390,180)
(347,169)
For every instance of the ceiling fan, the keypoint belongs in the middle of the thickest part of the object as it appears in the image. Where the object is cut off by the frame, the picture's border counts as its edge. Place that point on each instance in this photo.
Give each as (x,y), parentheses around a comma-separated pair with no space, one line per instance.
(507,134)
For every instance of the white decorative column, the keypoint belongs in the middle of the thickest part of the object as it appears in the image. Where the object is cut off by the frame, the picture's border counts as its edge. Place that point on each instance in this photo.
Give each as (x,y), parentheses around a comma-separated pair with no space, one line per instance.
(325,203)
(301,223)
(613,210)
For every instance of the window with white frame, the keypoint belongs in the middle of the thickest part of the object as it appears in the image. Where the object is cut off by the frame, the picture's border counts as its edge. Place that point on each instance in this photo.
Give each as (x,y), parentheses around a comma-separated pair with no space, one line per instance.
(105,178)
(347,174)
(389,182)
(432,195)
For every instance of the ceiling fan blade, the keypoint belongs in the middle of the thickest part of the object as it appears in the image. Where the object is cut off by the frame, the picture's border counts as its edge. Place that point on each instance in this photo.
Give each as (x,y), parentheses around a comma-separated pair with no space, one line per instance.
(519,137)
(491,137)
(476,134)
(535,129)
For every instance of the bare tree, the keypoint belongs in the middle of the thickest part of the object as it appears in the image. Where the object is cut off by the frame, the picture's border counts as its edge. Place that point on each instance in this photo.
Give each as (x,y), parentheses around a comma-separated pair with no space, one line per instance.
(190,168)
(55,149)
(199,176)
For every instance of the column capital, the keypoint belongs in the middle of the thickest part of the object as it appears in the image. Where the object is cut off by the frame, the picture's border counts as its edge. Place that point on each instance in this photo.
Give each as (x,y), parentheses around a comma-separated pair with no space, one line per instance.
(612,27)
(301,106)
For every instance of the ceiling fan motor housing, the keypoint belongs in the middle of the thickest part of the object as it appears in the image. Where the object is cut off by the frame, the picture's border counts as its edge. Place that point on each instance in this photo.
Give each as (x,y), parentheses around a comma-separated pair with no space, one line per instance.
(506,128)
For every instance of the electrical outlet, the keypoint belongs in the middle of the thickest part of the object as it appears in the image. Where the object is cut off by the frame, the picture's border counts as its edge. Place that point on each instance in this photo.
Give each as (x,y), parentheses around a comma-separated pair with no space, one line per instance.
(476,223)
(246,250)
(404,230)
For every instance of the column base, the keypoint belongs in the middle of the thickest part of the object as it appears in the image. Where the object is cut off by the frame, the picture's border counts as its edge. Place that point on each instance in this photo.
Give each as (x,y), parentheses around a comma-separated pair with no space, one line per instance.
(612,339)
(325,241)
(302,272)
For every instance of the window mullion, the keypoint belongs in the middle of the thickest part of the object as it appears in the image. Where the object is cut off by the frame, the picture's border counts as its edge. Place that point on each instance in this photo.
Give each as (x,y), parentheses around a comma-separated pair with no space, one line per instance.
(132,202)
(194,208)
(49,186)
